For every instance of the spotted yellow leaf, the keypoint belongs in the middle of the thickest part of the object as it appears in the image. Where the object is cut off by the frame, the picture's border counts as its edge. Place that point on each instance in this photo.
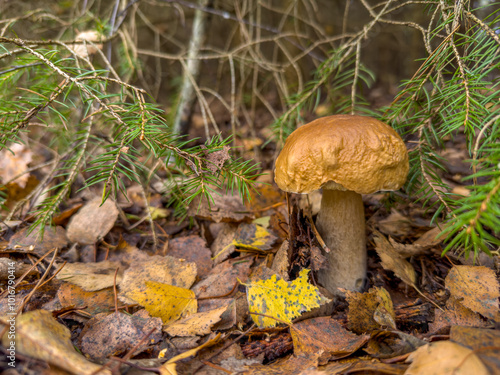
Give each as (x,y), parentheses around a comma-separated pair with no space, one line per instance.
(165,301)
(280,299)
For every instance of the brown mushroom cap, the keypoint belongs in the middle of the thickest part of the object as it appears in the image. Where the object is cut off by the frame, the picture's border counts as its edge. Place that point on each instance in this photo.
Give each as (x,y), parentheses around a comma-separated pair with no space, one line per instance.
(358,153)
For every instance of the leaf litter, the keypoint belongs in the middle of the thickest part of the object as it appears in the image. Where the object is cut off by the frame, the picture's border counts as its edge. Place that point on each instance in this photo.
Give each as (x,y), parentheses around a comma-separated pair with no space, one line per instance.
(238,290)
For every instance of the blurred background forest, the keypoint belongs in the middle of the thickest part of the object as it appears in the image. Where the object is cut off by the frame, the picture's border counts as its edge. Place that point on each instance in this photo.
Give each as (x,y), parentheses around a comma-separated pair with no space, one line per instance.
(245,74)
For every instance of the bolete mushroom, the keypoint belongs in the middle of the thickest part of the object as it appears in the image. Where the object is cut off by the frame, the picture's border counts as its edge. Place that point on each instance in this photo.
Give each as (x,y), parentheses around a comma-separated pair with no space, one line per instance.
(346,156)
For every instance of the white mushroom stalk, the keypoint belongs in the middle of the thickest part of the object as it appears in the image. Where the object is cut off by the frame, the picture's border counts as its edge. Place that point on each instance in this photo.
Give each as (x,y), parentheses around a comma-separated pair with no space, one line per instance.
(346,156)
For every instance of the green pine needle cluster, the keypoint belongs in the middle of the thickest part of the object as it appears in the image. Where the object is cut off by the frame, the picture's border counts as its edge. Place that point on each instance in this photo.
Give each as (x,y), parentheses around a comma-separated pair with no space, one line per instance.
(101,131)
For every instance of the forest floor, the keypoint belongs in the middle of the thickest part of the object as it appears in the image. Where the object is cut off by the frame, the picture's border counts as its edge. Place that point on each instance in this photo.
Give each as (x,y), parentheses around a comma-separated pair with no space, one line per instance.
(105,293)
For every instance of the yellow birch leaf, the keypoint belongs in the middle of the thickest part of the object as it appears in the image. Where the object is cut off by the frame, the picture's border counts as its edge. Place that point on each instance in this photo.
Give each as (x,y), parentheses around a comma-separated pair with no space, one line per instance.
(285,301)
(165,301)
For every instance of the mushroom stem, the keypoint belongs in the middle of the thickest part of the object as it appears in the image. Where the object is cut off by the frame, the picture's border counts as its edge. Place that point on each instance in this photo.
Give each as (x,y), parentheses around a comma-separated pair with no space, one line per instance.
(341,224)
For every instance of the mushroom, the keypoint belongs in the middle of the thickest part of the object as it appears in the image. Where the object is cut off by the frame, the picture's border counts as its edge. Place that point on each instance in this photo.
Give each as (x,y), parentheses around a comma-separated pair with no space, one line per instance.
(345,156)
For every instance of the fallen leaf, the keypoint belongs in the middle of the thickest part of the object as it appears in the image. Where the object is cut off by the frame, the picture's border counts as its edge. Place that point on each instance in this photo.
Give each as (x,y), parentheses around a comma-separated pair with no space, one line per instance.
(484,342)
(198,324)
(216,159)
(40,336)
(14,162)
(226,208)
(166,270)
(455,314)
(94,302)
(445,358)
(53,237)
(92,222)
(169,367)
(369,311)
(389,344)
(476,287)
(223,245)
(228,317)
(393,261)
(284,300)
(165,301)
(117,333)
(84,50)
(326,335)
(221,280)
(293,365)
(281,262)
(7,266)
(395,224)
(254,237)
(91,276)
(193,249)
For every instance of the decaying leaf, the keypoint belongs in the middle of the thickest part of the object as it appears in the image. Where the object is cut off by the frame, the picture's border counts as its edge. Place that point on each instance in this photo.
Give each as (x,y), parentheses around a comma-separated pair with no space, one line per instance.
(395,224)
(196,324)
(222,279)
(91,276)
(92,222)
(293,365)
(223,245)
(251,237)
(165,301)
(169,367)
(93,302)
(281,262)
(393,261)
(113,334)
(40,336)
(325,335)
(193,249)
(225,207)
(53,237)
(389,344)
(476,287)
(284,300)
(14,162)
(370,311)
(445,357)
(455,314)
(484,342)
(166,270)
(7,265)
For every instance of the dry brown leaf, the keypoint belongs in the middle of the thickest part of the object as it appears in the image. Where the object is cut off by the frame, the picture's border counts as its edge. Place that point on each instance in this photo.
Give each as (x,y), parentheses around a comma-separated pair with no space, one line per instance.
(14,162)
(325,335)
(395,224)
(221,280)
(166,270)
(370,311)
(389,344)
(193,249)
(223,245)
(394,262)
(40,336)
(476,287)
(53,237)
(198,324)
(455,314)
(87,49)
(117,333)
(228,317)
(91,276)
(6,265)
(281,262)
(169,368)
(93,302)
(293,365)
(445,358)
(484,342)
(92,222)
(226,208)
